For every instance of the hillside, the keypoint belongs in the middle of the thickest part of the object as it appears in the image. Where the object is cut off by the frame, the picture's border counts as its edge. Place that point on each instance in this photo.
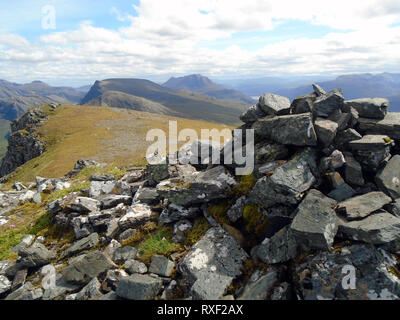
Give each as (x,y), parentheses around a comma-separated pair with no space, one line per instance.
(183,104)
(102,134)
(122,100)
(16,98)
(203,85)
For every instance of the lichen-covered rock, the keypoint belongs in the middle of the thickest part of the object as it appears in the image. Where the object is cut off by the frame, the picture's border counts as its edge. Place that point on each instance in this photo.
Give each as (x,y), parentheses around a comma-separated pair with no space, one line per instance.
(362,206)
(147,195)
(84,244)
(303,104)
(212,264)
(236,211)
(273,104)
(36,255)
(260,287)
(375,108)
(83,205)
(288,183)
(281,247)
(98,188)
(353,171)
(205,186)
(139,287)
(371,150)
(388,179)
(252,114)
(161,265)
(315,224)
(331,275)
(121,255)
(295,129)
(378,228)
(112,200)
(5,284)
(133,266)
(390,125)
(328,103)
(137,214)
(84,269)
(325,130)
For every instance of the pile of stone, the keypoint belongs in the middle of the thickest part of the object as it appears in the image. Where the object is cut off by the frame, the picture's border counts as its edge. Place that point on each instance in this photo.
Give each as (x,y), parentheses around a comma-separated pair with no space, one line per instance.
(321,221)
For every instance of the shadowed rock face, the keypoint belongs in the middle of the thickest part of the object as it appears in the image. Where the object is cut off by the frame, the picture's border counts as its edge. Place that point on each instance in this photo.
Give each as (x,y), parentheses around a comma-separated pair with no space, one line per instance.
(23,144)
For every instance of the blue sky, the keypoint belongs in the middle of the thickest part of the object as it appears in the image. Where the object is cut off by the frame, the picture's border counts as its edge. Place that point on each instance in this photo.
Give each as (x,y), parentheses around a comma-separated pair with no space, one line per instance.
(156,39)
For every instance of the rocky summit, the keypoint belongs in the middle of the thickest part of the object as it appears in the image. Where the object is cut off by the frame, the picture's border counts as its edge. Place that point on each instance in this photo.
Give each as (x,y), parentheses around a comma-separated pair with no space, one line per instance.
(318,218)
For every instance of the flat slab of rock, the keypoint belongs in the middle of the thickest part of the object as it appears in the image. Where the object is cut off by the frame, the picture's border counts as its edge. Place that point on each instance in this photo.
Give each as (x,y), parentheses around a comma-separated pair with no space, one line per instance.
(133,266)
(388,179)
(328,275)
(295,129)
(378,228)
(112,200)
(139,287)
(315,224)
(390,125)
(36,255)
(288,182)
(84,244)
(205,186)
(375,108)
(138,214)
(83,205)
(273,104)
(362,206)
(87,267)
(212,264)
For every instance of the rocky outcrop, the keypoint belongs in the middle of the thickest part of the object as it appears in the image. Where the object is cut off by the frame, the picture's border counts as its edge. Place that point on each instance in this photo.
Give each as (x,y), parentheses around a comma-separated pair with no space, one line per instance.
(23,143)
(319,217)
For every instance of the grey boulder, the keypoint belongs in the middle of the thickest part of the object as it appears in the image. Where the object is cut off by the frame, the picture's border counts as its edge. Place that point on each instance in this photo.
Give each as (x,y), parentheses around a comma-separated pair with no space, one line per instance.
(315,224)
(139,287)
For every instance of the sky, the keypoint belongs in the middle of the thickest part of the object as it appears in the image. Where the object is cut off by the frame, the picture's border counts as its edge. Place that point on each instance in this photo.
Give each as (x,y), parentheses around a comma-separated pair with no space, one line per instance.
(71,42)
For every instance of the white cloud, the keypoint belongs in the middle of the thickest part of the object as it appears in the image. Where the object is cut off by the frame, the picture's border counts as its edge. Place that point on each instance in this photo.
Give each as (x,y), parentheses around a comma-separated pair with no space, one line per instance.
(166,36)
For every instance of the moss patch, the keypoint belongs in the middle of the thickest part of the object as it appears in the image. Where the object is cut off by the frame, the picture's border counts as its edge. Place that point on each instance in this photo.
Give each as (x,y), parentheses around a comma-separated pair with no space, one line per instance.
(199,229)
(254,221)
(218,211)
(245,185)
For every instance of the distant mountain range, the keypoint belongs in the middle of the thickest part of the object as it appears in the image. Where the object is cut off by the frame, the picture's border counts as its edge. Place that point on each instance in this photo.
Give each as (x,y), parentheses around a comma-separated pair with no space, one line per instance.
(203,85)
(187,104)
(193,96)
(16,98)
(386,85)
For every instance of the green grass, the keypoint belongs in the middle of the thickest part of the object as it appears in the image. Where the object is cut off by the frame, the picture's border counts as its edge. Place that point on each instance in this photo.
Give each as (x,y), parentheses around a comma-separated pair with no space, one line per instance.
(58,194)
(158,242)
(36,221)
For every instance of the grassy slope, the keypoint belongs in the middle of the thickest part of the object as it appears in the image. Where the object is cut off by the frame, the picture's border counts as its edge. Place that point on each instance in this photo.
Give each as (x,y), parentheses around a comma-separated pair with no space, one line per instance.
(184,104)
(100,133)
